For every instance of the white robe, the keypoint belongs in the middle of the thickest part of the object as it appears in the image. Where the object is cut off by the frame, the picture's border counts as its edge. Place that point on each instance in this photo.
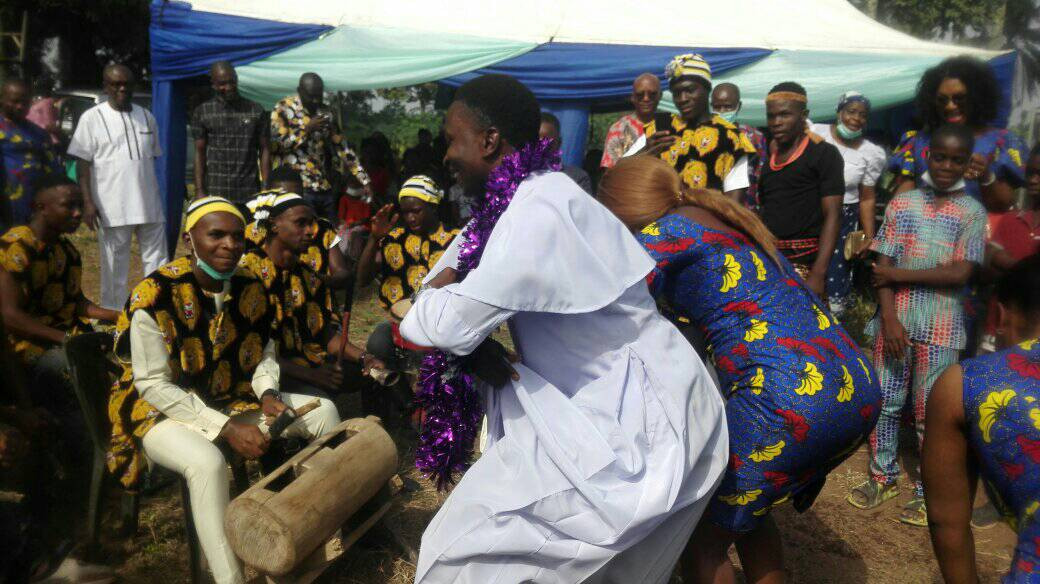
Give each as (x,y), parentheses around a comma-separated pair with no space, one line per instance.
(602,458)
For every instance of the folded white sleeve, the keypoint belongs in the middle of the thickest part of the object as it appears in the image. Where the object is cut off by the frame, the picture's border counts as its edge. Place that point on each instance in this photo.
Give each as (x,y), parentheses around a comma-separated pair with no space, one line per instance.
(453,323)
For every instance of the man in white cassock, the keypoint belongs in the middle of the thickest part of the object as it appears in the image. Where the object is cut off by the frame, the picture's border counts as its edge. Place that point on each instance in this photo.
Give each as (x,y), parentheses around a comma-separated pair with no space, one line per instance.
(607,441)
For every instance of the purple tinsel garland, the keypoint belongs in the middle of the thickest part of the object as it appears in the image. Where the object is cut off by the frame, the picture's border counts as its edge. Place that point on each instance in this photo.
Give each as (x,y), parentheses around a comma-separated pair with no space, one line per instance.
(446,389)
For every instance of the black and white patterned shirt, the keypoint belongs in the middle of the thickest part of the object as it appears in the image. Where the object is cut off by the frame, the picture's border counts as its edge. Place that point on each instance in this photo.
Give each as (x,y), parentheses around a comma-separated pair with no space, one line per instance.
(233,132)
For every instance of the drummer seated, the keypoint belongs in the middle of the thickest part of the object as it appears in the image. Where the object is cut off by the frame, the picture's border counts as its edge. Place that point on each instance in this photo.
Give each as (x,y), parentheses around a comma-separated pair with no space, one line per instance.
(200,367)
(400,257)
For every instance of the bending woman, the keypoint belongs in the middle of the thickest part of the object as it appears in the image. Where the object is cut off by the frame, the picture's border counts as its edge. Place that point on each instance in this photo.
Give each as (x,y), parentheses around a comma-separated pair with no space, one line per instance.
(801,396)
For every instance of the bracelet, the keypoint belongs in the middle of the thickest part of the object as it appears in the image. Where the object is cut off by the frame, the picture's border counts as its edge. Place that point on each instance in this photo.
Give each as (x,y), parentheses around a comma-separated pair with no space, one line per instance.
(990,179)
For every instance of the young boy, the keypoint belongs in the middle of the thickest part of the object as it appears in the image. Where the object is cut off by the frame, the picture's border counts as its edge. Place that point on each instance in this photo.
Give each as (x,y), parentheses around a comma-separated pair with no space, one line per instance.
(929,245)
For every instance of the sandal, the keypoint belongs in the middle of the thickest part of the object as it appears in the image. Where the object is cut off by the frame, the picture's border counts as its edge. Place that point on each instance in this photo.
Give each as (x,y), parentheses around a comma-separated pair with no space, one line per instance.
(871,494)
(915,513)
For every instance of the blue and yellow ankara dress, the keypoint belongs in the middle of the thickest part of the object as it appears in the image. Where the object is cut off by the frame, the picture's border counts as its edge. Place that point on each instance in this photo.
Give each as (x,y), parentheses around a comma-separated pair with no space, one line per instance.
(801,397)
(1002,411)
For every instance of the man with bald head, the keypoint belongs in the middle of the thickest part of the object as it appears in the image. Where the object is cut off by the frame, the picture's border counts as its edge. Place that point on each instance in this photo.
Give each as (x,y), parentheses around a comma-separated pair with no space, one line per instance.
(116,144)
(726,103)
(646,94)
(230,140)
(305,135)
(26,153)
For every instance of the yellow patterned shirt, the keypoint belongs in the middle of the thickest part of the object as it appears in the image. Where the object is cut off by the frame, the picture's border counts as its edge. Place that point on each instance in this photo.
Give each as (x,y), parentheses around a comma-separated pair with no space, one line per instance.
(211,353)
(49,278)
(302,305)
(407,259)
(703,155)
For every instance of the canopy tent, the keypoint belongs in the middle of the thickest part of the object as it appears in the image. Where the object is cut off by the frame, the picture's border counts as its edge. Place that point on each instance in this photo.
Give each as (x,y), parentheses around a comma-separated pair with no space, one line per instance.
(573,54)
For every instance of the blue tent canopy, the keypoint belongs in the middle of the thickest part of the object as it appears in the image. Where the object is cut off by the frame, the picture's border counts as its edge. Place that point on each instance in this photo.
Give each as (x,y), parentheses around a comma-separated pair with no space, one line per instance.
(381,45)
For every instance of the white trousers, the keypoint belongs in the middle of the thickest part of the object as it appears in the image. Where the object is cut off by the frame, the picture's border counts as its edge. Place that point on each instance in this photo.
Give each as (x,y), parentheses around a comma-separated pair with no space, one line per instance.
(185,451)
(114,244)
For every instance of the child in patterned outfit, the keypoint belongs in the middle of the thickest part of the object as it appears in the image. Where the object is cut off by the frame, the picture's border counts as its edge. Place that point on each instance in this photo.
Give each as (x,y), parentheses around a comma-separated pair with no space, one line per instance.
(983,419)
(929,245)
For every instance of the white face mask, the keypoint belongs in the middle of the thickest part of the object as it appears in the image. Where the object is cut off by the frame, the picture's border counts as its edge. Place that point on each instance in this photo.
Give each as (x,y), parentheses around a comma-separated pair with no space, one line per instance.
(355,192)
(958,186)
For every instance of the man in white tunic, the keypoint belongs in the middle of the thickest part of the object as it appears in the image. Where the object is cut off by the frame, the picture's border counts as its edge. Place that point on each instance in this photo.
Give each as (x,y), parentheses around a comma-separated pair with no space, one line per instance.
(116,144)
(606,444)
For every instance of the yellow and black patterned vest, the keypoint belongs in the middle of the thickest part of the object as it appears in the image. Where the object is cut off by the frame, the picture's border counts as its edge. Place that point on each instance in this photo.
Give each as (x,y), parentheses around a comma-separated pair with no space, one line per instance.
(302,305)
(317,255)
(211,354)
(49,278)
(407,259)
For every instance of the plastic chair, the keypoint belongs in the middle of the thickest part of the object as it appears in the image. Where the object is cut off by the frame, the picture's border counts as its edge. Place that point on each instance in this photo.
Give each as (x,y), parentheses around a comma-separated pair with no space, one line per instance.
(92,375)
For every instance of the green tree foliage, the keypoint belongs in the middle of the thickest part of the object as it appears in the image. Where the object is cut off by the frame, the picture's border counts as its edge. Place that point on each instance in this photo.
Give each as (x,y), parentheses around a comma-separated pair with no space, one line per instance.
(405,111)
(995,24)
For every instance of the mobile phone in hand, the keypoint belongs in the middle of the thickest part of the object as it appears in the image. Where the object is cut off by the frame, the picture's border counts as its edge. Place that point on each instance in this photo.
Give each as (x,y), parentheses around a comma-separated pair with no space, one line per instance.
(662,123)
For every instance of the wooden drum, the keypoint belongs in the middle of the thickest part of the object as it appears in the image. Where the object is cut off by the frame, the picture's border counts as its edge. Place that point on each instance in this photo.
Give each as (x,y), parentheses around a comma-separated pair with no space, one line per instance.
(282,519)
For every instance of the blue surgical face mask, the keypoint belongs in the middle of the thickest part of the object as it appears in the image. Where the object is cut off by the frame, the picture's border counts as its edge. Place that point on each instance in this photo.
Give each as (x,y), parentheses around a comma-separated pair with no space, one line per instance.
(730,116)
(846,133)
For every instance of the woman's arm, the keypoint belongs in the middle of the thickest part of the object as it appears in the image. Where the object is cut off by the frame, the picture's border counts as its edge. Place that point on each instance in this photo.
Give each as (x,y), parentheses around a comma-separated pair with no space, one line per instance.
(867,219)
(949,480)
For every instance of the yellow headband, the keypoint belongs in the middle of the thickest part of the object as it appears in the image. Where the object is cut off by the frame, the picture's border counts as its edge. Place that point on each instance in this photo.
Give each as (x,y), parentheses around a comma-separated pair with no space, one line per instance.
(690,64)
(787,96)
(206,205)
(422,188)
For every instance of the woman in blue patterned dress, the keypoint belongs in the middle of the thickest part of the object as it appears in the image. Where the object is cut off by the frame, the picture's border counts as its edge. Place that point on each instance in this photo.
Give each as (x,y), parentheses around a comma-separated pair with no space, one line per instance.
(984,419)
(963,90)
(801,397)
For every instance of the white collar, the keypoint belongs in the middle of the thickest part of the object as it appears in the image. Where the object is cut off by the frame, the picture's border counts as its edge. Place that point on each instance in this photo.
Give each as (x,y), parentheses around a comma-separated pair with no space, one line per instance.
(958,186)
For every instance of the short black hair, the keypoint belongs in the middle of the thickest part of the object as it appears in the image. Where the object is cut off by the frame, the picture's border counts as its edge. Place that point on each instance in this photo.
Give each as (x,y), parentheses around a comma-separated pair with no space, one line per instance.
(551,119)
(284,173)
(1035,151)
(505,103)
(791,87)
(983,91)
(51,180)
(1020,286)
(958,132)
(424,132)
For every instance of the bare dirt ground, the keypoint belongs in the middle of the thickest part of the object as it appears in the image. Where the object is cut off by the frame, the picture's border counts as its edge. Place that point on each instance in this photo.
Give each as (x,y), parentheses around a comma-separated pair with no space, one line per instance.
(830,543)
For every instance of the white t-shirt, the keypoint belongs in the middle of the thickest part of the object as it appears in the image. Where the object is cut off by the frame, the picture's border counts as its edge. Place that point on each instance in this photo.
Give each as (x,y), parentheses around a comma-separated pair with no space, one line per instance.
(863,165)
(122,146)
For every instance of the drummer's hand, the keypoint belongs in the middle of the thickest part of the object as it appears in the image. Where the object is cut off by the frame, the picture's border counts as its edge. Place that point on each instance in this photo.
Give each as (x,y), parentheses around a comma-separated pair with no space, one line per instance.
(492,363)
(272,406)
(245,438)
(445,277)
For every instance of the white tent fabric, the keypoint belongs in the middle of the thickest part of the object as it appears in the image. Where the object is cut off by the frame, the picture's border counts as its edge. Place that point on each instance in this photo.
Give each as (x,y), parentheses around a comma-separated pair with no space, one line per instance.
(827,25)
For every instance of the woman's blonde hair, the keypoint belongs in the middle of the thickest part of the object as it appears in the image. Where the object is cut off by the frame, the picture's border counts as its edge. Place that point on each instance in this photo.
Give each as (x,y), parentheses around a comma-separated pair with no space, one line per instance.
(642,189)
